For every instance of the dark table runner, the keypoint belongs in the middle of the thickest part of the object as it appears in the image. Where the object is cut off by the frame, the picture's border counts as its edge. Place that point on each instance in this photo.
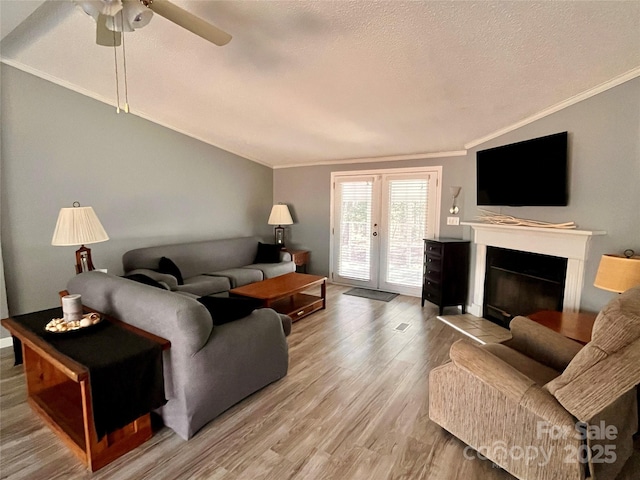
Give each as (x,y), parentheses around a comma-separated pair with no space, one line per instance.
(125,369)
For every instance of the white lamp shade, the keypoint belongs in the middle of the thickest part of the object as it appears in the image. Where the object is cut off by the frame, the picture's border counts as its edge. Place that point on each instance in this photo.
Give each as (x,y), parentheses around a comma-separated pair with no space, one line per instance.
(78,226)
(618,274)
(280,215)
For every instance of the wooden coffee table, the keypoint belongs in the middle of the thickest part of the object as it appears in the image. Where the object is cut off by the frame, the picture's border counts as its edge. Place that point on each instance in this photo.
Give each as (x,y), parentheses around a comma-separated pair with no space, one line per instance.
(284,294)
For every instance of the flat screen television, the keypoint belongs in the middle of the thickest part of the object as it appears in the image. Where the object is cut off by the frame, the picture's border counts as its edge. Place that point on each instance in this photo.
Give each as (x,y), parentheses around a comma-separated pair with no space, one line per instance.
(529,173)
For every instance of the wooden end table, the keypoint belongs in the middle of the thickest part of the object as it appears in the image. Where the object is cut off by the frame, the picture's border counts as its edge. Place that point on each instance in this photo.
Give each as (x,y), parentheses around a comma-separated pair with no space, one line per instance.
(300,258)
(58,389)
(573,325)
(284,294)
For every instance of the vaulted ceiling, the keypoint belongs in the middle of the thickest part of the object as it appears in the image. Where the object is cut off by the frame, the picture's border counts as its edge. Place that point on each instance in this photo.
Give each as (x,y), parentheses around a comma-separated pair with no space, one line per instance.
(316,81)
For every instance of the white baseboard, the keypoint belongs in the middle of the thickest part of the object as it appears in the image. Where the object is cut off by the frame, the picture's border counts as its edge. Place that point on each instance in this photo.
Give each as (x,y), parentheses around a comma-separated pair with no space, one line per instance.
(475,310)
(6,342)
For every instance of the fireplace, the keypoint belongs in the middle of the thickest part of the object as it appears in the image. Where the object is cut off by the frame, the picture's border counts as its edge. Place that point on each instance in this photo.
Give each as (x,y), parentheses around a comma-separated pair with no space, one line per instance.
(520,283)
(570,245)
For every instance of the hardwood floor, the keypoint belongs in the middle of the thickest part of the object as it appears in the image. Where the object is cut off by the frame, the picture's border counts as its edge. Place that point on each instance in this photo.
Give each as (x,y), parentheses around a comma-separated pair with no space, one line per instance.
(354,405)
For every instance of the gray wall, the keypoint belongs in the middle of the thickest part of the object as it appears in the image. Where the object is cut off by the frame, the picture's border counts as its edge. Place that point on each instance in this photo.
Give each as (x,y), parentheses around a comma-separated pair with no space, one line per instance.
(604,187)
(307,191)
(148,185)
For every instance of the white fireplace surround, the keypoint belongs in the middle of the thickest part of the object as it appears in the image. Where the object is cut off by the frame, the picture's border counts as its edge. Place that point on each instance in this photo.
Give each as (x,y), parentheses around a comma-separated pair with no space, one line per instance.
(571,244)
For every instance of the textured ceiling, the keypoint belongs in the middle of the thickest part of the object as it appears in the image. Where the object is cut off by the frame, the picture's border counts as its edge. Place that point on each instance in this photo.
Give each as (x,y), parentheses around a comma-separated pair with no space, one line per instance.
(314,82)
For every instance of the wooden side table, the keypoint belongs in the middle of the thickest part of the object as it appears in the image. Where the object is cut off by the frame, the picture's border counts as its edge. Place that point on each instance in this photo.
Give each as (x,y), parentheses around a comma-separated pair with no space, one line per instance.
(59,390)
(576,326)
(300,258)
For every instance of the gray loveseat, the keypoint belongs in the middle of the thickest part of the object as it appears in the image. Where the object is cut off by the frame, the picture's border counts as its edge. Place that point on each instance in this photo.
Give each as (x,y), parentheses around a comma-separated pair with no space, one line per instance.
(208,368)
(207,267)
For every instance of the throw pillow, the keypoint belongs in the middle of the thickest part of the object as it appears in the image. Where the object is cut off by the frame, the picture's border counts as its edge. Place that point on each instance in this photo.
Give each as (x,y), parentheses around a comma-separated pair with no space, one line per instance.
(268,253)
(166,265)
(140,278)
(227,309)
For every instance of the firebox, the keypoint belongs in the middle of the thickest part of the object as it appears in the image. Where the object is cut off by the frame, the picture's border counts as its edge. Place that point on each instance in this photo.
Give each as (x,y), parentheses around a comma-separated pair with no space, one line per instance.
(521,283)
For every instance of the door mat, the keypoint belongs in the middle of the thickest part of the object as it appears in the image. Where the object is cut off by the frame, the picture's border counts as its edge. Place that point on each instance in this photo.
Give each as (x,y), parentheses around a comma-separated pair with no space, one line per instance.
(372,294)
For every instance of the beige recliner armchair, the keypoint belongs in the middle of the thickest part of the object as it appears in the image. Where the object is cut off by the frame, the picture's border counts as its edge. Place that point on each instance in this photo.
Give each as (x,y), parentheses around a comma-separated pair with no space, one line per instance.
(541,406)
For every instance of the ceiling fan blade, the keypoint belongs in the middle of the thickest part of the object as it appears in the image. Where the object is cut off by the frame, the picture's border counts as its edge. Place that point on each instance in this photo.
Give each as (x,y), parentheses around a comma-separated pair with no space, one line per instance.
(190,22)
(104,36)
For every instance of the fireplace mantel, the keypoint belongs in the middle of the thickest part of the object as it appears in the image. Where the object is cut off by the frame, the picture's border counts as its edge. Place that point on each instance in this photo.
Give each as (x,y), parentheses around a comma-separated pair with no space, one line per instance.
(571,244)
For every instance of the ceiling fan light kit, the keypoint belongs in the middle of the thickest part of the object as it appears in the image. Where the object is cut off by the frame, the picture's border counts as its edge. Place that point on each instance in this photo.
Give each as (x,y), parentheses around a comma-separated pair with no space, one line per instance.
(100,7)
(136,13)
(132,16)
(115,17)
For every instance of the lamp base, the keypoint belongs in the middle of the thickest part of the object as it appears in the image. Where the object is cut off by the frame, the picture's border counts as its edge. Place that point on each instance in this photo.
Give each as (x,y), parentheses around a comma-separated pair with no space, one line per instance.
(83,260)
(279,235)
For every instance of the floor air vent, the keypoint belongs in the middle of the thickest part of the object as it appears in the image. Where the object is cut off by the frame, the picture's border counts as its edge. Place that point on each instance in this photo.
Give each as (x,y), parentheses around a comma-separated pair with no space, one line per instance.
(402,327)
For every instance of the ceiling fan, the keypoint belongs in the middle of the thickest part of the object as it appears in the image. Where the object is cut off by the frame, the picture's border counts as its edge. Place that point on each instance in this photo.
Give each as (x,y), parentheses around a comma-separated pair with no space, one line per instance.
(113,17)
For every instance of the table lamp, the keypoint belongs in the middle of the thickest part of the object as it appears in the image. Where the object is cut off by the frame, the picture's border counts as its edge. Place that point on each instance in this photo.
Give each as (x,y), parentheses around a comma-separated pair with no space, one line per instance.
(618,273)
(79,226)
(280,216)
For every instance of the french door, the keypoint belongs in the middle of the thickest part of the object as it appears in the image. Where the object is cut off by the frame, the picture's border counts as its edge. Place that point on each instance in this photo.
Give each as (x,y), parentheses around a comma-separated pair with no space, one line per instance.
(379,221)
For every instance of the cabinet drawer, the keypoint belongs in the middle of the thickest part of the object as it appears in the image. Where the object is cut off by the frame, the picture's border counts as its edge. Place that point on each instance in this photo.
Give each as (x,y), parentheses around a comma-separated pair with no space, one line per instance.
(433,263)
(433,275)
(432,297)
(433,249)
(432,286)
(300,258)
(304,311)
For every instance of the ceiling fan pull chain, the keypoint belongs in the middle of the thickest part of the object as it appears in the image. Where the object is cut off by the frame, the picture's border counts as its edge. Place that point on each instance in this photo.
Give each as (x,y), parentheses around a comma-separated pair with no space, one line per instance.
(124,62)
(115,62)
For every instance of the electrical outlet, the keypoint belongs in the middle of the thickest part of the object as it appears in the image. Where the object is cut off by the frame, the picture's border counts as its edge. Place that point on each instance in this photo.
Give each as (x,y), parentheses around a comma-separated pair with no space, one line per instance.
(453,220)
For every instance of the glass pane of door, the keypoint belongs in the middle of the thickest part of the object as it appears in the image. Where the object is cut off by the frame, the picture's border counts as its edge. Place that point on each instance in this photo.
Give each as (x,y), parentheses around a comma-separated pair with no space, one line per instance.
(355,222)
(409,215)
(406,229)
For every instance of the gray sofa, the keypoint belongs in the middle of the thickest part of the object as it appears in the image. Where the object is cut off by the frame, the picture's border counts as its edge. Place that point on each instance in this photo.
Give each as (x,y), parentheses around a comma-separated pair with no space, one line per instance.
(207,267)
(208,368)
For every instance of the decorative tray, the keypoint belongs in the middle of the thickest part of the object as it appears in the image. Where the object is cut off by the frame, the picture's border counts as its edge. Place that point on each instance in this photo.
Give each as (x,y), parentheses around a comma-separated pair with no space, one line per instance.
(59,325)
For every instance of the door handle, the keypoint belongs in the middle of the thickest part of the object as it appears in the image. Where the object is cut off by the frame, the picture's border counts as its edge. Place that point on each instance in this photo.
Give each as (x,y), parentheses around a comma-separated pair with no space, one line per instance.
(375,234)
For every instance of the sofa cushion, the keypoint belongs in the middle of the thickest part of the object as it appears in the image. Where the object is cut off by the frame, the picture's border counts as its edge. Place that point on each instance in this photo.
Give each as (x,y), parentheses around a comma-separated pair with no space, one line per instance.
(204,285)
(167,266)
(140,278)
(268,253)
(224,310)
(239,276)
(270,270)
(162,278)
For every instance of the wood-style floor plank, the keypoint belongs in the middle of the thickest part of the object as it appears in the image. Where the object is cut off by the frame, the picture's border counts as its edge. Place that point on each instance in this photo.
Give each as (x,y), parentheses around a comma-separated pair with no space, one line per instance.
(354,405)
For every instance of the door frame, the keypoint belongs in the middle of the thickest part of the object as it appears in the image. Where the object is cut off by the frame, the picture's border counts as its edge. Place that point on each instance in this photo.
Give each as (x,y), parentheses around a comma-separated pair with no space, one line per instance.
(435,169)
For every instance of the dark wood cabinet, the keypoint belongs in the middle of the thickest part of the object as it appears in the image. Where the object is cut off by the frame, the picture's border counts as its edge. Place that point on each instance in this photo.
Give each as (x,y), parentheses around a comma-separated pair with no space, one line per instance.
(445,279)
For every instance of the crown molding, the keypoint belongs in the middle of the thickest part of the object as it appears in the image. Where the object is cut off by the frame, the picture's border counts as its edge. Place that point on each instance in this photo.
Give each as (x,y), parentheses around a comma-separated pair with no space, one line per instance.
(391,158)
(614,82)
(630,75)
